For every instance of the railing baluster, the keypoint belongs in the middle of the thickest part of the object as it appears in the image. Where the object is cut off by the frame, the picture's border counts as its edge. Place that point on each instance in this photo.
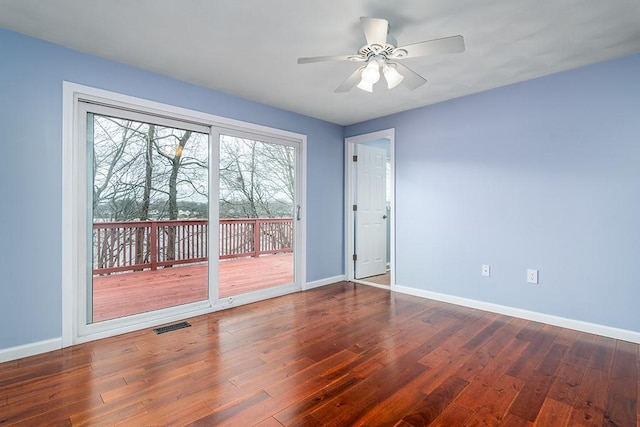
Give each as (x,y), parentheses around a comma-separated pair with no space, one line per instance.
(127,240)
(154,245)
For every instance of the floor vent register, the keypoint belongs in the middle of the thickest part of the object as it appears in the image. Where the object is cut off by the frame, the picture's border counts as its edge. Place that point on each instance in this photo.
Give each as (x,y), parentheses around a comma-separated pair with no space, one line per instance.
(173,327)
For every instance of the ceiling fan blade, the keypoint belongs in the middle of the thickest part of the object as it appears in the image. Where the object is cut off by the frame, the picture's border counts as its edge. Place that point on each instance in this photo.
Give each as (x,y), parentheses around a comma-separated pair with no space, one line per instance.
(375,30)
(326,58)
(351,81)
(453,44)
(412,80)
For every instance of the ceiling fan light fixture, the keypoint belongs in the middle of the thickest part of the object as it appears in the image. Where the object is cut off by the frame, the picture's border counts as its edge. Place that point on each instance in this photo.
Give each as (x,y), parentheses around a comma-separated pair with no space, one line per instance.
(371,73)
(365,86)
(392,76)
(380,54)
(369,76)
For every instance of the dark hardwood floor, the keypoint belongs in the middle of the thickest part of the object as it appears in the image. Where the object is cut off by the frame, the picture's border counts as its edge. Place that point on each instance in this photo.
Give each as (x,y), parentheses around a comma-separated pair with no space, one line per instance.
(339,355)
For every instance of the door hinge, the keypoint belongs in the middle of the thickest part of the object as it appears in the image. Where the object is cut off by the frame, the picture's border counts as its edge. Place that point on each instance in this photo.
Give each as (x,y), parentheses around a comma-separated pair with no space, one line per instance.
(355,257)
(355,208)
(355,158)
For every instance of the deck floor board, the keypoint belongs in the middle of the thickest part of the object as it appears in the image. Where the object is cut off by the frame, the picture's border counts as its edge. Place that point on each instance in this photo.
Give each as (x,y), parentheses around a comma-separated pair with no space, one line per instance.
(124,294)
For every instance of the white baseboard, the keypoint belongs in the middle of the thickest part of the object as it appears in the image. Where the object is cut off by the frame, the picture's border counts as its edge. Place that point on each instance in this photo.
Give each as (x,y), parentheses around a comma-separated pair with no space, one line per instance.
(324,282)
(31,349)
(578,325)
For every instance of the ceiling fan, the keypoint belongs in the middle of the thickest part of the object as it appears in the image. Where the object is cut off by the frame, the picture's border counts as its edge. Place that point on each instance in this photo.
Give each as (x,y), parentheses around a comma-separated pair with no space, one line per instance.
(381,53)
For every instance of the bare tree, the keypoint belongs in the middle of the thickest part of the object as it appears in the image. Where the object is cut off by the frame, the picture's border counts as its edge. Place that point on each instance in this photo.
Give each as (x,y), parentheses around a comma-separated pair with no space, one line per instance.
(146,171)
(143,171)
(116,151)
(256,179)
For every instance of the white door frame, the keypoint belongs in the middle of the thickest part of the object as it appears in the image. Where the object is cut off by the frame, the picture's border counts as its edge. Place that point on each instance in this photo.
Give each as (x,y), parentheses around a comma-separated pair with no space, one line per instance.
(349,147)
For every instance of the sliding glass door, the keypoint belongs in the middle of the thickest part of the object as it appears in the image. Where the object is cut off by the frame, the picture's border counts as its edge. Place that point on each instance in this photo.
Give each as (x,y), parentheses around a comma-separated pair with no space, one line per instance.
(149,213)
(152,192)
(258,209)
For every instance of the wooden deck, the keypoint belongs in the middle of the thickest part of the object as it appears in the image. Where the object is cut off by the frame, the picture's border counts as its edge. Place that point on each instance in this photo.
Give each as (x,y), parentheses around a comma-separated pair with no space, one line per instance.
(125,294)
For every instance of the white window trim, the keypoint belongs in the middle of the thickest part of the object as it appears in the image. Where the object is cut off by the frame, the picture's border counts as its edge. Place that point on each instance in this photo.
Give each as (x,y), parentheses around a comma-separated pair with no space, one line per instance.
(74,193)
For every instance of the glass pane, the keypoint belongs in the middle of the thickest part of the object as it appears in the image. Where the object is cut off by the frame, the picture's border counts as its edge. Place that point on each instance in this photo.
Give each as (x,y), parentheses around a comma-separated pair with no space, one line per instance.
(150,217)
(257,199)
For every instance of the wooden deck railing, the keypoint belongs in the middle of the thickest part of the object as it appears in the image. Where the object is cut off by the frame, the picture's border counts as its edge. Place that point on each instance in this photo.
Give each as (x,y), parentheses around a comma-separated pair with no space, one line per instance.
(139,245)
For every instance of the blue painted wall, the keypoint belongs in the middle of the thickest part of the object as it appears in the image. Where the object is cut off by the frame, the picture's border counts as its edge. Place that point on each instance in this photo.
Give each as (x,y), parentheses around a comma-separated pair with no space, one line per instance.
(31,75)
(543,174)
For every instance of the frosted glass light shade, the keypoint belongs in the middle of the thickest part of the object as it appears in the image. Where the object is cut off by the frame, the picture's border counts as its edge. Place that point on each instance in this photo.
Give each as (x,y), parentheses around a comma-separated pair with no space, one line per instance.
(371,73)
(366,86)
(392,76)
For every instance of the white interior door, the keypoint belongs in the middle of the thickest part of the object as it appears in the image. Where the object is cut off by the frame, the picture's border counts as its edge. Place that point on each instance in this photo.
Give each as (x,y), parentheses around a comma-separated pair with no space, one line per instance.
(371,212)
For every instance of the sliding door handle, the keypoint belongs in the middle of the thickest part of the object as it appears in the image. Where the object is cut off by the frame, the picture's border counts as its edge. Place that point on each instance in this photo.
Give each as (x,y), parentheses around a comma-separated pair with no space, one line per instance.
(298,213)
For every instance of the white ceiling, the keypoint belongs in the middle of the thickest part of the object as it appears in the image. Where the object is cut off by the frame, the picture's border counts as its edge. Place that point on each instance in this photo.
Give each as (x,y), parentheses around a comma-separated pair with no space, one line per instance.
(249,48)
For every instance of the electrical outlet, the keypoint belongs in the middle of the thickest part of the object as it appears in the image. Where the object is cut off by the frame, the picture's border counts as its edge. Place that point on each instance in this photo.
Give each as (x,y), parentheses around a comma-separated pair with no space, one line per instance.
(486,271)
(532,276)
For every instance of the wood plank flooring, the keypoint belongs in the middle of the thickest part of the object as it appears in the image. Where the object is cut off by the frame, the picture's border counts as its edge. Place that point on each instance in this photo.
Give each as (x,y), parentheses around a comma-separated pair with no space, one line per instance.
(380,279)
(340,355)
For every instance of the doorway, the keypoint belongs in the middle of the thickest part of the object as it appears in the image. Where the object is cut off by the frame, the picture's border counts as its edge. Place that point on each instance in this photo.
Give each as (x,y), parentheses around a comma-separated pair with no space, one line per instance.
(369,216)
